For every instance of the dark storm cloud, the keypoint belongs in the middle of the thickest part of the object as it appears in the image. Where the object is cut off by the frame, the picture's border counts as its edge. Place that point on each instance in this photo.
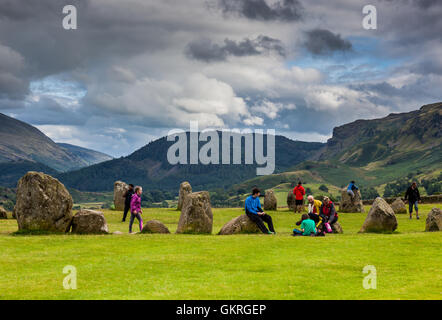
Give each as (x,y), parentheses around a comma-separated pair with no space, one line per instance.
(33,30)
(283,10)
(206,50)
(321,41)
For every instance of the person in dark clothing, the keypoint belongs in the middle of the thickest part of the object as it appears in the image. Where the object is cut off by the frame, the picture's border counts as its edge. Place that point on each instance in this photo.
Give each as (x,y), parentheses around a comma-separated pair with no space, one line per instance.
(328,214)
(256,214)
(128,197)
(413,196)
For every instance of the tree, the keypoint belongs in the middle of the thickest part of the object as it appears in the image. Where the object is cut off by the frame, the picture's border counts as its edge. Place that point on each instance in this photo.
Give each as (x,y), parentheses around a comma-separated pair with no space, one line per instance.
(369,193)
(323,187)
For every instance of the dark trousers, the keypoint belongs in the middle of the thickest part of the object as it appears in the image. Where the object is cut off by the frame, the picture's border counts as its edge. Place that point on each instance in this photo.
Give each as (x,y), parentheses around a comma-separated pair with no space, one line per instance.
(132,218)
(260,219)
(333,220)
(314,217)
(324,219)
(126,210)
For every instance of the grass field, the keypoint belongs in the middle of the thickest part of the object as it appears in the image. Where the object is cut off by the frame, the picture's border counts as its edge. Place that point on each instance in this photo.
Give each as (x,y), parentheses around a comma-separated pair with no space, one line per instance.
(143,266)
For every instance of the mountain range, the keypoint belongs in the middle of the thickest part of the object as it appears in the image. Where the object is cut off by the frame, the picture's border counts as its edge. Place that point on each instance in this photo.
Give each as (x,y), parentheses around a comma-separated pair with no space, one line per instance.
(370,151)
(24,148)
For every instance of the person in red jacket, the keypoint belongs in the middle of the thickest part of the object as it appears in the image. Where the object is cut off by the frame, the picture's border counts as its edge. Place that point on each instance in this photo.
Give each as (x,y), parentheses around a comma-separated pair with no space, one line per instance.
(299,193)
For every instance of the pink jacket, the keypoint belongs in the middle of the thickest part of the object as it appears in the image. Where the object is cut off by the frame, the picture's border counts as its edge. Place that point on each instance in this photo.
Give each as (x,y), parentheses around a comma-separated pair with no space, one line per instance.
(135,203)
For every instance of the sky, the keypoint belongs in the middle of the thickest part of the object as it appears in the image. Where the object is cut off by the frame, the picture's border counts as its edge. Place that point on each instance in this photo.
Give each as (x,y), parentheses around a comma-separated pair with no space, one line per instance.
(135,69)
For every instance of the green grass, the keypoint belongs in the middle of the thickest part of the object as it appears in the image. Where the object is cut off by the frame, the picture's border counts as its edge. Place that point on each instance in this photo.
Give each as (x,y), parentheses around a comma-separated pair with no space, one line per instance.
(144,266)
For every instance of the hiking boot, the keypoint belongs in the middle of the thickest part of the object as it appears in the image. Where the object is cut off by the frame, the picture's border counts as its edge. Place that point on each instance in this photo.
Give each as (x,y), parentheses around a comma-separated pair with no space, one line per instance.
(417,217)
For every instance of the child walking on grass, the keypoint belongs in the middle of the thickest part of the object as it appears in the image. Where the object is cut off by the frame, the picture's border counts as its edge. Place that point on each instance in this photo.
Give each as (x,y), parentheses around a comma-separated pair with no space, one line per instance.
(135,208)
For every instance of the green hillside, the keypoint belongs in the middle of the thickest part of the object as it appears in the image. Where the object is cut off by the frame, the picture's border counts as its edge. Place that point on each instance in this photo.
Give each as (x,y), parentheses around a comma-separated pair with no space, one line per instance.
(150,168)
(23,145)
(374,153)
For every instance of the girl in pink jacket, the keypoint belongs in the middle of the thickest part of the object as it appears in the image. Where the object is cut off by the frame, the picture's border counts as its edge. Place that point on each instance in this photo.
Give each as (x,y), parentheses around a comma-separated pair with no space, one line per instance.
(135,208)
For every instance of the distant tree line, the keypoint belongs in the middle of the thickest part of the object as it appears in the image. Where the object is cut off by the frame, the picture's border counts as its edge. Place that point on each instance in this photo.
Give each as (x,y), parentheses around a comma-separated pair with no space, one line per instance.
(398,187)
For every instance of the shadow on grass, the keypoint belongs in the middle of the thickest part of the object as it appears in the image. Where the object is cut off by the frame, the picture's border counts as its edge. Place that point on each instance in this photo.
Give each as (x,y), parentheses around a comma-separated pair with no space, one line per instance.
(379,232)
(36,233)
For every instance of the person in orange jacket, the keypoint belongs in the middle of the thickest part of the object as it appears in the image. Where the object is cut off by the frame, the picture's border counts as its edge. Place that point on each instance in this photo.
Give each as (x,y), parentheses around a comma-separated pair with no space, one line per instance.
(299,193)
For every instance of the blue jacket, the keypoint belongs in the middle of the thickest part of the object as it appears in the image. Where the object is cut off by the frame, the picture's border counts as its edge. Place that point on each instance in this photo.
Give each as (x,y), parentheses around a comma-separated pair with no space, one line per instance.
(253,205)
(352,186)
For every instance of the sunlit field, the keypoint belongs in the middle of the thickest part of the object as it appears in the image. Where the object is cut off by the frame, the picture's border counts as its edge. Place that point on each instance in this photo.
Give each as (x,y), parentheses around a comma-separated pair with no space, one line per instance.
(144,266)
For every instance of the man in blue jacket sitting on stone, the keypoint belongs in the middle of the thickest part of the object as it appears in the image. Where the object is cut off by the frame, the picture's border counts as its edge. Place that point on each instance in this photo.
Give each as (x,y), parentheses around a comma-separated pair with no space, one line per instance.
(256,214)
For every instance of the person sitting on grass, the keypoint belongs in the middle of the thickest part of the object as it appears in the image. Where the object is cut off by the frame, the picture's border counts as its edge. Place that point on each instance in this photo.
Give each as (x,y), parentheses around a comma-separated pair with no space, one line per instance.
(328,214)
(313,210)
(135,208)
(256,214)
(308,227)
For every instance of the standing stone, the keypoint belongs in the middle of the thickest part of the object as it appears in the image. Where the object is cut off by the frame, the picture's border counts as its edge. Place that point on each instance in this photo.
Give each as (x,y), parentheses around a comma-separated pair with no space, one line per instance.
(380,218)
(241,224)
(89,222)
(291,200)
(347,204)
(434,220)
(337,228)
(196,214)
(398,206)
(3,213)
(43,203)
(185,189)
(154,226)
(120,189)
(270,202)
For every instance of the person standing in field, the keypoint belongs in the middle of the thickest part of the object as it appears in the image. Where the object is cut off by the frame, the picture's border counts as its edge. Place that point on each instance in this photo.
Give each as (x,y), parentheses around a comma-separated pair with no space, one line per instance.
(413,196)
(299,193)
(351,189)
(256,214)
(135,208)
(128,197)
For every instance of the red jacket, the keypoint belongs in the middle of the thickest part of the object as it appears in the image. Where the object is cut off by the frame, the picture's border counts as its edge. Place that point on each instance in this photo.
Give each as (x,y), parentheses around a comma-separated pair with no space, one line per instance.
(299,192)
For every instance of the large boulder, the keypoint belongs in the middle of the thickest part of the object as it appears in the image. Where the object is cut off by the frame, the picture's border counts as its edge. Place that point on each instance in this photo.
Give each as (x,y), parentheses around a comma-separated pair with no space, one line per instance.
(89,222)
(337,228)
(241,224)
(43,203)
(398,206)
(291,200)
(347,204)
(196,214)
(185,189)
(120,189)
(434,220)
(380,218)
(154,226)
(3,213)
(270,202)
